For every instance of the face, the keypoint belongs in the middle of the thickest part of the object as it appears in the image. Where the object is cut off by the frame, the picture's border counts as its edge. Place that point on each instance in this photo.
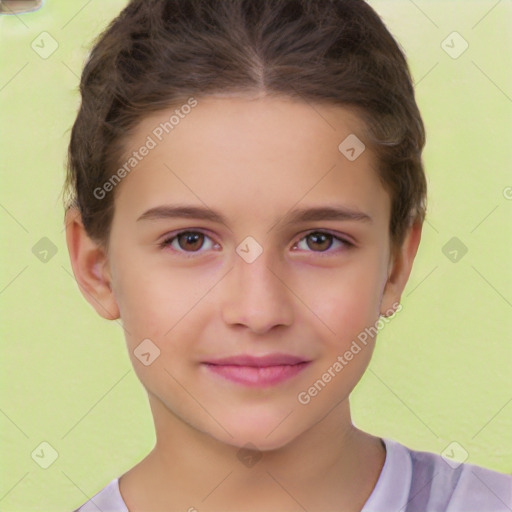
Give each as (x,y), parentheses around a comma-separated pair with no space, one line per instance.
(245,273)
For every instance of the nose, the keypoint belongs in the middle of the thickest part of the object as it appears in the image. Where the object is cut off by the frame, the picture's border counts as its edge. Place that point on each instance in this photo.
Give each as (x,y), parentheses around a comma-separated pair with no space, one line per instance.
(257,296)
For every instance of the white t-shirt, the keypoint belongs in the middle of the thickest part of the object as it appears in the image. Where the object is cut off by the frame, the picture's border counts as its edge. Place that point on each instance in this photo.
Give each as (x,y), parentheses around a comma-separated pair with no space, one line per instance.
(410,481)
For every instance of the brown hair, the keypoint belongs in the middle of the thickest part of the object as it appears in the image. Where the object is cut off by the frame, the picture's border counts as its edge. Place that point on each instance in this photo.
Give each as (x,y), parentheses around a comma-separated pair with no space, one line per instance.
(159,53)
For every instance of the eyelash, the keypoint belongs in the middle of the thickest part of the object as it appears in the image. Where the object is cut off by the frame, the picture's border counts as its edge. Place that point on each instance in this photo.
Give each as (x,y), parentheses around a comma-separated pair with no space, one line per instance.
(193,254)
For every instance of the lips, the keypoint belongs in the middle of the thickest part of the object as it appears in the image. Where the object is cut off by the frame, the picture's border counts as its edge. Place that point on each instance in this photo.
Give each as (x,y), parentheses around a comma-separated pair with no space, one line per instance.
(257,371)
(258,361)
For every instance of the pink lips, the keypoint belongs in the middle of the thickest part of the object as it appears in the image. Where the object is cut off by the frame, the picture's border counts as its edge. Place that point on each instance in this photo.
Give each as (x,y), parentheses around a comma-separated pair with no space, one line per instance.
(257,371)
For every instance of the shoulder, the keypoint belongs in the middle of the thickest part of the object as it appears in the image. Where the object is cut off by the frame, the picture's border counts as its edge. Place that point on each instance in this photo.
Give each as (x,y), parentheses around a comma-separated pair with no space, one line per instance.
(107,500)
(439,483)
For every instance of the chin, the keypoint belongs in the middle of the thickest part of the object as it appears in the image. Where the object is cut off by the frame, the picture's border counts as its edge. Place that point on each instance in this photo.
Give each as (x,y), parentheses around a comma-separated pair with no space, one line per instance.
(263,434)
(258,441)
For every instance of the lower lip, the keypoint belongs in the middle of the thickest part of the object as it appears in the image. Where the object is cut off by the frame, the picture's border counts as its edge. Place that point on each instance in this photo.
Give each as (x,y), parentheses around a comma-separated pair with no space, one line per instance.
(262,376)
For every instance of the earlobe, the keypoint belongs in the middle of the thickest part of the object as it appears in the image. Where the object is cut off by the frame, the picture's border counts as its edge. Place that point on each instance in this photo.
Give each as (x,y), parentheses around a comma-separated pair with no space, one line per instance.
(90,267)
(401,268)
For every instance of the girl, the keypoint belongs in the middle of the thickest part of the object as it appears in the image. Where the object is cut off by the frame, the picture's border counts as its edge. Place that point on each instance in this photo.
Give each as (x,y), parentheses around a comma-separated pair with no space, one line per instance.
(246,193)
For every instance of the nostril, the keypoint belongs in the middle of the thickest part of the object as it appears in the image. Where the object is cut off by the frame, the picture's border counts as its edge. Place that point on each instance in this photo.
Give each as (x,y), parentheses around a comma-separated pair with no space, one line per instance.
(19,6)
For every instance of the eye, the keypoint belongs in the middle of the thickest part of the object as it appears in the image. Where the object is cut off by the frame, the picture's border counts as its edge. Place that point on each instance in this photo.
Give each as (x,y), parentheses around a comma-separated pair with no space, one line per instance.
(185,240)
(323,240)
(191,242)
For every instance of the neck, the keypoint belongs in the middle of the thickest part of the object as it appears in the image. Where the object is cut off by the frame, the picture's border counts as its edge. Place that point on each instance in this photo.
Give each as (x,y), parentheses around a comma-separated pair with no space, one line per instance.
(333,465)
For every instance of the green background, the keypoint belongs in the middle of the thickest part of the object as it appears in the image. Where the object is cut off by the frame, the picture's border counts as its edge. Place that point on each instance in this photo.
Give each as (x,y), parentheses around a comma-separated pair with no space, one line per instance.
(441,371)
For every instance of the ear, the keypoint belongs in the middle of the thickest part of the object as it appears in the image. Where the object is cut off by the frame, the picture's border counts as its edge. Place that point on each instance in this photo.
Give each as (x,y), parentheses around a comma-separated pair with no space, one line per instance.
(400,268)
(90,267)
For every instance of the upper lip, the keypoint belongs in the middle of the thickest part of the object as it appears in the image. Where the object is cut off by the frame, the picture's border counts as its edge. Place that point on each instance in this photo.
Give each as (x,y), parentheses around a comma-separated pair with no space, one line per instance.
(268,360)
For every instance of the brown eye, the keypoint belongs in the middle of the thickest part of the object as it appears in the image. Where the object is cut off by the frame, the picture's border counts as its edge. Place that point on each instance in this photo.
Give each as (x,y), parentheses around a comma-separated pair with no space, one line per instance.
(192,240)
(187,242)
(320,241)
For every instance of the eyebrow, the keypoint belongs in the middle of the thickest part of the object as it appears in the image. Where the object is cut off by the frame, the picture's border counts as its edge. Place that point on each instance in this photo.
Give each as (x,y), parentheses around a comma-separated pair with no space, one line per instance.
(293,217)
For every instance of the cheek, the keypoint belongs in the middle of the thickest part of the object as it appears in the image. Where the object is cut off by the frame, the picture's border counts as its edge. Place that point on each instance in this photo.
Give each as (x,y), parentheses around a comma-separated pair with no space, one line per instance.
(349,306)
(158,319)
(348,299)
(151,297)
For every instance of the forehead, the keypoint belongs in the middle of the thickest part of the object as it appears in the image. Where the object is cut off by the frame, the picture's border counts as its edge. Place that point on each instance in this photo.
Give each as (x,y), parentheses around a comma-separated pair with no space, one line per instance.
(250,154)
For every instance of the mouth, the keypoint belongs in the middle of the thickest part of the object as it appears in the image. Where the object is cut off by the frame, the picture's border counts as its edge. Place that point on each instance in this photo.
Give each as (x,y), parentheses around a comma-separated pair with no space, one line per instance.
(252,371)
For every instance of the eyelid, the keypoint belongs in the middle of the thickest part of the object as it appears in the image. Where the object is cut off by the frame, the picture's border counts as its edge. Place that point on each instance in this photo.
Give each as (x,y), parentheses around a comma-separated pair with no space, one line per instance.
(340,236)
(344,239)
(166,240)
(167,237)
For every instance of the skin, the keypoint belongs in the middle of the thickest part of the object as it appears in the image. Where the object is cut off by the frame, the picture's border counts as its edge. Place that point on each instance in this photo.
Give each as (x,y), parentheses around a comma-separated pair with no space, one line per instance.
(253,159)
